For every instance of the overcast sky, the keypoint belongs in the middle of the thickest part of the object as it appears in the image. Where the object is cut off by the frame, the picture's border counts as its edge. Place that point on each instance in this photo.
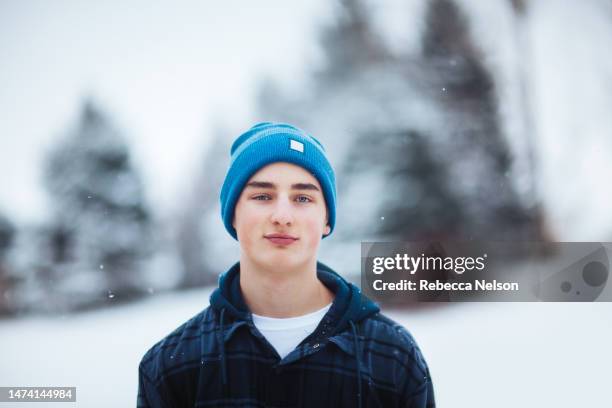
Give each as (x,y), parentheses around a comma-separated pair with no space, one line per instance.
(166,72)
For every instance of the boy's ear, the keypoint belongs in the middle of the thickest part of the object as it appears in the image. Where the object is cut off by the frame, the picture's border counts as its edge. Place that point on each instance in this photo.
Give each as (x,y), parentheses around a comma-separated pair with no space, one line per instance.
(327,229)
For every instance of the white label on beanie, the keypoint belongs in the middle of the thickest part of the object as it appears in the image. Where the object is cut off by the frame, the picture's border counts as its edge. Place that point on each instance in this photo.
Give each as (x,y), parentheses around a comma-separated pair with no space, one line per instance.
(295,145)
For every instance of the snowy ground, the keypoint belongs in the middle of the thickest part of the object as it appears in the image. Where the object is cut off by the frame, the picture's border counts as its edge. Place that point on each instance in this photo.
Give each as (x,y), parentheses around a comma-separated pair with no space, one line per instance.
(480,354)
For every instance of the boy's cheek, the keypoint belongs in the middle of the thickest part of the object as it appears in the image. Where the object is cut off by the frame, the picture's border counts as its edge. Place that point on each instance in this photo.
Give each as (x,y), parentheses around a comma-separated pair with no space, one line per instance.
(315,230)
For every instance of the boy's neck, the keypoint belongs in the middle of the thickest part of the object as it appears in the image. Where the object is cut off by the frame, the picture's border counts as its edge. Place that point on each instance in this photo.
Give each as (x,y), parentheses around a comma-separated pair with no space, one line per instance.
(283,293)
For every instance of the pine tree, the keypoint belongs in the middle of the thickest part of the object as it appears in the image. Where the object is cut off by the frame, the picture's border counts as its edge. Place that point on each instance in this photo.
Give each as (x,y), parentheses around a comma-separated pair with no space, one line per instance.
(478,157)
(101,230)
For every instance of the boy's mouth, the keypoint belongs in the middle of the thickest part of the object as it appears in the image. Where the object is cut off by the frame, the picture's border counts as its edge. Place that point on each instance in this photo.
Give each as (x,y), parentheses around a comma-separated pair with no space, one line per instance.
(281,239)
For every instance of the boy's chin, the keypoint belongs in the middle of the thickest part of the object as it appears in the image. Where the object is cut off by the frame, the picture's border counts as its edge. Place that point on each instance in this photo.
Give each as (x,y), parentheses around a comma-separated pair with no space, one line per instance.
(283,262)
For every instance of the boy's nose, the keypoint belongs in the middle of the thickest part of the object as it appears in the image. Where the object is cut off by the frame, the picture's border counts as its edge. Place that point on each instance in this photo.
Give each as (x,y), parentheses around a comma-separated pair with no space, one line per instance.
(282,212)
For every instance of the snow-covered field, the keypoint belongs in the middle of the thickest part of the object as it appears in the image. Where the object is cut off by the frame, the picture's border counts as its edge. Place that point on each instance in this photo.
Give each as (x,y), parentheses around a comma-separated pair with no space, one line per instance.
(480,354)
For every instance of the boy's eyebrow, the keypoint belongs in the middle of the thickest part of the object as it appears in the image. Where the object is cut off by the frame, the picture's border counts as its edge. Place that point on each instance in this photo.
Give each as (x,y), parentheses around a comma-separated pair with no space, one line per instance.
(297,186)
(260,184)
(304,186)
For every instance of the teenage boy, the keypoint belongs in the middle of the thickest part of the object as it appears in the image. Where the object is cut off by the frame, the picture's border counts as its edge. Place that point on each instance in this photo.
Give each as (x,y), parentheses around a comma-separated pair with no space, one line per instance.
(283,330)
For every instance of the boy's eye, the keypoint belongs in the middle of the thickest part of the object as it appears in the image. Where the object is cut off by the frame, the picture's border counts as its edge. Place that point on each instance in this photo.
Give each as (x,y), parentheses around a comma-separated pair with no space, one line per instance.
(303,199)
(261,197)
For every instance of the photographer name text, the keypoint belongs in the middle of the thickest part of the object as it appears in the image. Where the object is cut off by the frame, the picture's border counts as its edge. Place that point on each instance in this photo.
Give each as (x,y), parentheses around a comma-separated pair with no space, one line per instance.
(425,285)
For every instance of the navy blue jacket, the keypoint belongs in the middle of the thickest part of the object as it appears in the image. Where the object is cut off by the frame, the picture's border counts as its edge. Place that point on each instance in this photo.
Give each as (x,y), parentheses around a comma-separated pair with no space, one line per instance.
(356,357)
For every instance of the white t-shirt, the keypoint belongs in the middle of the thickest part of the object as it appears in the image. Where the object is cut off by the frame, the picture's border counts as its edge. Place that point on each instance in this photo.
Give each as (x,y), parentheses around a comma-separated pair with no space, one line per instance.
(286,334)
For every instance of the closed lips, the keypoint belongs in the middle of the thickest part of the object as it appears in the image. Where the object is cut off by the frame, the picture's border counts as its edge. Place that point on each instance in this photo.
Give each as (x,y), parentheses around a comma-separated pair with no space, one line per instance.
(281,236)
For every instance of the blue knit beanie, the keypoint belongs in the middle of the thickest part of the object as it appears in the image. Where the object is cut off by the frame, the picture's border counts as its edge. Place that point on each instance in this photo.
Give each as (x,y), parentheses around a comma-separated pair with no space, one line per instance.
(267,143)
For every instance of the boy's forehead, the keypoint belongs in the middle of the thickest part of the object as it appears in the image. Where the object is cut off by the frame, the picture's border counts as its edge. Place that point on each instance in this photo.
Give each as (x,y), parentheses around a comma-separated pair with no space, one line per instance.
(284,173)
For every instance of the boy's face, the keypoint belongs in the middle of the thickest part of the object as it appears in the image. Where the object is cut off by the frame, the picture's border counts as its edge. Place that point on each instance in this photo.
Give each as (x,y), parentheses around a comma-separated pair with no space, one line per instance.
(281,216)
